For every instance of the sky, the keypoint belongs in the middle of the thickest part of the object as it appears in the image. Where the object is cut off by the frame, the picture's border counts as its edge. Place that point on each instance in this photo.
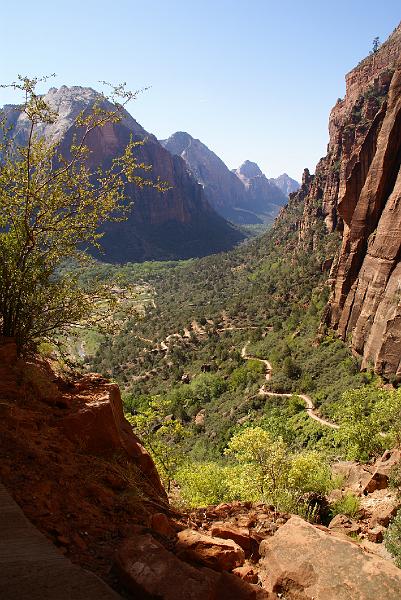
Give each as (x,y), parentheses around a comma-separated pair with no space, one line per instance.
(253,80)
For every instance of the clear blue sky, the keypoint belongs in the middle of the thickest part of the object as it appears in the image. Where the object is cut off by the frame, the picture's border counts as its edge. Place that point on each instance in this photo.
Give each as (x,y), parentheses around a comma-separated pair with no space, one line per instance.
(252,79)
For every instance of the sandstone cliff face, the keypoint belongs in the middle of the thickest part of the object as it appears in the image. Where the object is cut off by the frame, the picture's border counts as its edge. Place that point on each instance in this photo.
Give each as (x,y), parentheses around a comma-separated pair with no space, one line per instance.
(365,303)
(356,190)
(179,223)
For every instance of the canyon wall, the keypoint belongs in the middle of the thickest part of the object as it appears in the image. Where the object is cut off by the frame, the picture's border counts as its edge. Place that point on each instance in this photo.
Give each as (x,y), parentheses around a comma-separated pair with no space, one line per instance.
(356,190)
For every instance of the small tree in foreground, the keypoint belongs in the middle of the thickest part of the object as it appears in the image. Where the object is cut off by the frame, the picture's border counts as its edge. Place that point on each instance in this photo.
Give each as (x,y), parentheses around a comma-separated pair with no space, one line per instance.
(52,204)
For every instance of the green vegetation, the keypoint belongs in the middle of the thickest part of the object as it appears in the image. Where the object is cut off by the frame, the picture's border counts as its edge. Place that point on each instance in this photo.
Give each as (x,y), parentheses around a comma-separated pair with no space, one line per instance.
(370,422)
(181,370)
(392,539)
(261,469)
(348,505)
(375,44)
(51,204)
(163,437)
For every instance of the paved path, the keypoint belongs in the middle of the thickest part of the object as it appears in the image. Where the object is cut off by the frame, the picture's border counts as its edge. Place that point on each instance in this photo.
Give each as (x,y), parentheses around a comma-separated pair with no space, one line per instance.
(309,406)
(31,568)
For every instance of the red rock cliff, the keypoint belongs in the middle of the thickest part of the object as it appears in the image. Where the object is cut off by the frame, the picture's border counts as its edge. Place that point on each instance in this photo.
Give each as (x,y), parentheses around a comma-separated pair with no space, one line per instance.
(356,190)
(365,303)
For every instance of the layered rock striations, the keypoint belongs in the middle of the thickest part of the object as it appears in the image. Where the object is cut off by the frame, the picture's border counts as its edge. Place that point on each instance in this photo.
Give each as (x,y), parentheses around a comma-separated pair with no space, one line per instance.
(366,300)
(178,223)
(356,191)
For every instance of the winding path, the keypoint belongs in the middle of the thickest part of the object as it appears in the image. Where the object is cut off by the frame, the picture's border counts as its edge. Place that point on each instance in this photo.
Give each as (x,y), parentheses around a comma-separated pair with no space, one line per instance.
(309,406)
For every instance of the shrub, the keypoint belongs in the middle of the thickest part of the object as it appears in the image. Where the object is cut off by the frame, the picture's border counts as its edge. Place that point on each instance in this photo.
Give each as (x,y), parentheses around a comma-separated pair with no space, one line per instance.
(348,505)
(203,484)
(392,539)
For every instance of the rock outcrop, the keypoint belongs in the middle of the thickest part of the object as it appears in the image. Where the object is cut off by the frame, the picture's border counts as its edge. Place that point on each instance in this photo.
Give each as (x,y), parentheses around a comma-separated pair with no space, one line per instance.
(71,461)
(366,300)
(178,223)
(213,552)
(150,571)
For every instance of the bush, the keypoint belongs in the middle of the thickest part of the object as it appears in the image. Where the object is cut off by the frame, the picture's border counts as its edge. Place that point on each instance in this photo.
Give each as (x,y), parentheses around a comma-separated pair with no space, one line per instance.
(348,505)
(203,484)
(363,415)
(392,539)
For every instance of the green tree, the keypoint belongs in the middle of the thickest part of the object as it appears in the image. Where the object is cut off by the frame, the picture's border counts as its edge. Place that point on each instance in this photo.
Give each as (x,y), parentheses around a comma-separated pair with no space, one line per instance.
(51,204)
(204,483)
(162,435)
(375,44)
(265,460)
(370,421)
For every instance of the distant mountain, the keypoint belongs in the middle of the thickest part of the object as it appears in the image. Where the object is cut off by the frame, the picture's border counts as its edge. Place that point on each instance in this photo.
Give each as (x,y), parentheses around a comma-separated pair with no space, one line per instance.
(227,192)
(179,223)
(264,197)
(286,184)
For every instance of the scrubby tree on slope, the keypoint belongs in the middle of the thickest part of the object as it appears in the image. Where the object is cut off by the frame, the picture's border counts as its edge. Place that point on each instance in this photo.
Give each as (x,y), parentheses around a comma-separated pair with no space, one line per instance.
(51,206)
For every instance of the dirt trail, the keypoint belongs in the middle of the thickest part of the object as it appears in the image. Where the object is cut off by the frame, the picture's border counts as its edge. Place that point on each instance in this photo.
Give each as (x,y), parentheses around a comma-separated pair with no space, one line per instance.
(309,406)
(268,366)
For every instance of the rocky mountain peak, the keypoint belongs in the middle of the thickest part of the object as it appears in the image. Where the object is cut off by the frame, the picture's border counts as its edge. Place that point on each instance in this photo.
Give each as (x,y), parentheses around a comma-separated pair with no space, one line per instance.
(178,142)
(248,170)
(285,183)
(68,102)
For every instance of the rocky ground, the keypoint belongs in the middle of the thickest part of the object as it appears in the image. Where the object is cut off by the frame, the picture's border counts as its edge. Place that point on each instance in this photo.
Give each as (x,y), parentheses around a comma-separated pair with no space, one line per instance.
(73,464)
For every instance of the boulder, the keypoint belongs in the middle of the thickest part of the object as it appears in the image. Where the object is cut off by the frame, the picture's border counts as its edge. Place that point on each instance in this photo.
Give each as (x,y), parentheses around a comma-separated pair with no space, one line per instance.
(303,562)
(247,573)
(148,570)
(375,535)
(384,512)
(200,418)
(387,461)
(355,477)
(381,471)
(212,552)
(239,535)
(378,481)
(343,524)
(160,524)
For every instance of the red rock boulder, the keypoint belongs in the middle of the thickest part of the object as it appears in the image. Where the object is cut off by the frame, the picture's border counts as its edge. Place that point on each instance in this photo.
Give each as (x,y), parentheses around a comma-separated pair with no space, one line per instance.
(99,426)
(239,535)
(148,570)
(303,562)
(212,552)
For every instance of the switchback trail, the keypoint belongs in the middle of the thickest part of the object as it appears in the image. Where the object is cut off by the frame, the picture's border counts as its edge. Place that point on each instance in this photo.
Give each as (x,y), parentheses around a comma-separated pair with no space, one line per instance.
(309,406)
